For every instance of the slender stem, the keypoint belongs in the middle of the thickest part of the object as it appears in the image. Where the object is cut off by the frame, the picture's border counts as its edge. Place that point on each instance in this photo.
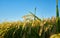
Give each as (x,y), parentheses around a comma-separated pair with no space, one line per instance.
(35,14)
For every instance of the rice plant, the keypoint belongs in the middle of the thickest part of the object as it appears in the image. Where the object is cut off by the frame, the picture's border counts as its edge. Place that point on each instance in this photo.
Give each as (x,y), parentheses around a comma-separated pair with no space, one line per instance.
(33,28)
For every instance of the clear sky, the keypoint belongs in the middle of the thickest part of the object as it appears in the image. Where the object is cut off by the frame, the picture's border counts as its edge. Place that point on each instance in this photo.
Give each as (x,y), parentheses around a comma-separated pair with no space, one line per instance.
(15,9)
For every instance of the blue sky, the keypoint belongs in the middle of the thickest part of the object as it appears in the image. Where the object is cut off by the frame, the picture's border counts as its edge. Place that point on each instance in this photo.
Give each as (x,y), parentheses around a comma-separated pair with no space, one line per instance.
(12,10)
